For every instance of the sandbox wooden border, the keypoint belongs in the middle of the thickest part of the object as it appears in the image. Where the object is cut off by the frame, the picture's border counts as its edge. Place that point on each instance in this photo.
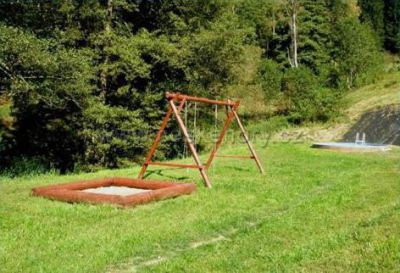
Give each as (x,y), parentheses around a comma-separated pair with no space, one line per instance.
(72,192)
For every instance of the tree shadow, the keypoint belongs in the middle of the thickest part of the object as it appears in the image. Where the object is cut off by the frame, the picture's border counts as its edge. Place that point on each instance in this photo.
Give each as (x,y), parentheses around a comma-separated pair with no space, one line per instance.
(381,126)
(235,168)
(160,173)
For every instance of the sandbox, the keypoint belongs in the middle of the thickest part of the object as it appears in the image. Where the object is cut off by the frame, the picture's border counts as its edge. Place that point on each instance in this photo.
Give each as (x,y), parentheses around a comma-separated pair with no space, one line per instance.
(123,192)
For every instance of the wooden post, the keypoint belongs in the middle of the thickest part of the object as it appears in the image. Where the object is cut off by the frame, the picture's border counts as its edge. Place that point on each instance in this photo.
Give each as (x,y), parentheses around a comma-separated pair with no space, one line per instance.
(246,138)
(191,146)
(157,140)
(218,143)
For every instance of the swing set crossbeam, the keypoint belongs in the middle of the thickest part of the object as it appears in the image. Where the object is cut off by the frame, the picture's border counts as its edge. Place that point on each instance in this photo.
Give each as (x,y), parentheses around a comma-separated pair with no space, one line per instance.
(175,110)
(181,97)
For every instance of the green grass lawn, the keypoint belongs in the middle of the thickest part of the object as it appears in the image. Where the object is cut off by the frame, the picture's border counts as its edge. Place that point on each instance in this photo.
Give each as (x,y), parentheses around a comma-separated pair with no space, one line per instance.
(314,211)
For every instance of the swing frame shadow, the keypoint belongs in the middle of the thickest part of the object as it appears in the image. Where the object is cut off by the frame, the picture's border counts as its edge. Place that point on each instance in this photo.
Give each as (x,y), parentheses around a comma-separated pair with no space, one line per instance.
(74,192)
(175,110)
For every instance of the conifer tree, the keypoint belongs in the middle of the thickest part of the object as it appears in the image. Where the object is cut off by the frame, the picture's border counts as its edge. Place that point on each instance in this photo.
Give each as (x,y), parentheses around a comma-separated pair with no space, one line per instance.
(392,25)
(372,13)
(314,34)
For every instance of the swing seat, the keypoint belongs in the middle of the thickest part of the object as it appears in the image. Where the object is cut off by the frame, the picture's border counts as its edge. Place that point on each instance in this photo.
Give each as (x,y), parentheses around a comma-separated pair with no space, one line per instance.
(123,192)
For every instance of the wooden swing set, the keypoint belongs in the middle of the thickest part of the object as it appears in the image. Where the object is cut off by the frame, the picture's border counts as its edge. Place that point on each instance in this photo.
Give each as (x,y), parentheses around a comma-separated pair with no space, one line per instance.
(131,192)
(180,100)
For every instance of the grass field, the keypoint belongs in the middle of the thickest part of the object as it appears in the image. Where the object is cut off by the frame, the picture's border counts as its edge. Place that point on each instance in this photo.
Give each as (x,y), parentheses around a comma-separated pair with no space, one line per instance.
(314,211)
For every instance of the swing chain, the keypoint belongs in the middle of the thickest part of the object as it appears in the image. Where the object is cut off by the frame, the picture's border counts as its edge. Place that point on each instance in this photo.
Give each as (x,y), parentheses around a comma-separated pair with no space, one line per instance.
(215,122)
(194,134)
(195,124)
(215,134)
(184,142)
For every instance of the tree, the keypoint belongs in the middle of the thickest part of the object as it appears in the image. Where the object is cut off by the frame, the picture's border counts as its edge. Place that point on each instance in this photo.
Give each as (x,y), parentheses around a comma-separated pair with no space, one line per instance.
(392,25)
(293,10)
(214,53)
(343,9)
(49,89)
(315,35)
(357,56)
(372,13)
(270,78)
(303,34)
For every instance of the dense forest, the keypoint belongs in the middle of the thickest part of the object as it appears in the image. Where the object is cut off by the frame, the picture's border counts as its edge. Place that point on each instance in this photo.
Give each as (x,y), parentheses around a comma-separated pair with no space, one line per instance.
(82,81)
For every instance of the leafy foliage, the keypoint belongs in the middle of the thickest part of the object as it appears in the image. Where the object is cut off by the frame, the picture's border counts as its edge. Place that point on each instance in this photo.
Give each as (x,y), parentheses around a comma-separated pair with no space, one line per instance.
(356,53)
(305,99)
(392,25)
(315,35)
(49,87)
(270,78)
(373,15)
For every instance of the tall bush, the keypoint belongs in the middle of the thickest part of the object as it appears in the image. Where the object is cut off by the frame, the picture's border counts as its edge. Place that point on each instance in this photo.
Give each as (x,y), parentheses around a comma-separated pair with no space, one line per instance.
(270,78)
(305,99)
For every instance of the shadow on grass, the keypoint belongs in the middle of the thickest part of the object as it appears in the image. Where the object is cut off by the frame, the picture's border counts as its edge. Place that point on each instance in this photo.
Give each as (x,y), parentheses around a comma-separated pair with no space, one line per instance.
(160,173)
(381,126)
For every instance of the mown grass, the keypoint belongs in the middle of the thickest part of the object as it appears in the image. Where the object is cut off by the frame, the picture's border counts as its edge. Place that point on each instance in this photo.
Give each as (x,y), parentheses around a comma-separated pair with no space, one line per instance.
(314,211)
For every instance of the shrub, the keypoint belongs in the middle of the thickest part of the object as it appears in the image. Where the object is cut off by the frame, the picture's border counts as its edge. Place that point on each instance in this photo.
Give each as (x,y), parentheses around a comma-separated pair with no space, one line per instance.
(270,79)
(305,99)
(25,166)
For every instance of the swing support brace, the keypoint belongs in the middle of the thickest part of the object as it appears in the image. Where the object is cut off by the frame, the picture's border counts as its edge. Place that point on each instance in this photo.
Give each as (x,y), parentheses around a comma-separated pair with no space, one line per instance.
(175,110)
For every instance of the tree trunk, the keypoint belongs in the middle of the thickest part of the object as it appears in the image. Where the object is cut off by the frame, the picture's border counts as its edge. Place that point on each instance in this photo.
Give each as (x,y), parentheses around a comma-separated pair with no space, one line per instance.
(294,24)
(107,31)
(294,37)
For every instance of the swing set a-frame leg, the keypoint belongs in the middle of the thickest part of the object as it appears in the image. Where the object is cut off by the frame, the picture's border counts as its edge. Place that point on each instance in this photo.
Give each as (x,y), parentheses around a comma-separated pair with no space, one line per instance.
(230,115)
(246,138)
(191,146)
(153,148)
(174,110)
(221,136)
